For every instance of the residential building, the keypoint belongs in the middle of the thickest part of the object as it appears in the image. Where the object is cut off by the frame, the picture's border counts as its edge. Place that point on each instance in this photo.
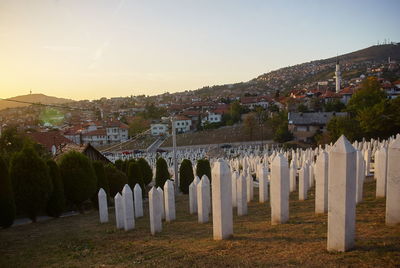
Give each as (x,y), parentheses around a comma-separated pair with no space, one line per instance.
(182,124)
(159,129)
(305,125)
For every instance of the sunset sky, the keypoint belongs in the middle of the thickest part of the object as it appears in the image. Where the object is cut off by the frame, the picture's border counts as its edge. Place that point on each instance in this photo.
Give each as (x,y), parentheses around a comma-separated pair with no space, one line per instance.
(87,49)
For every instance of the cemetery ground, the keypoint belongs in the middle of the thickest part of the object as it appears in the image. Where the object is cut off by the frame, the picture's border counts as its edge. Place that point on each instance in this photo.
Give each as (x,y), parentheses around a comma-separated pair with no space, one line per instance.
(81,241)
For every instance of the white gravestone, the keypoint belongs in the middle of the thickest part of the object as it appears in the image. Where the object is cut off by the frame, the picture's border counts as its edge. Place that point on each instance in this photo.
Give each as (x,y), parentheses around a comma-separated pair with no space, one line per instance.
(279,190)
(241,196)
(127,205)
(203,200)
(155,211)
(303,182)
(138,200)
(221,201)
(169,197)
(250,187)
(393,183)
(321,183)
(341,196)
(381,170)
(360,176)
(103,208)
(161,192)
(263,185)
(119,211)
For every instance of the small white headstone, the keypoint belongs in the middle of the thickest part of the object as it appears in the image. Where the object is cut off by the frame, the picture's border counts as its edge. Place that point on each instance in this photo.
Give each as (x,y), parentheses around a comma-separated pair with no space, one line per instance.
(103,208)
(127,204)
(155,211)
(137,196)
(119,211)
(169,197)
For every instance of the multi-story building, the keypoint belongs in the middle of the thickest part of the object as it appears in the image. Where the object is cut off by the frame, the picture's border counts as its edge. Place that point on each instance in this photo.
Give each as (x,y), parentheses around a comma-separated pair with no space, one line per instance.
(159,129)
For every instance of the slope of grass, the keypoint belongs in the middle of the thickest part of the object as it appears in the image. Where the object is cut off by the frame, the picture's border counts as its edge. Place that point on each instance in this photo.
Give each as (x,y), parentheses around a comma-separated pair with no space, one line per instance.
(80,241)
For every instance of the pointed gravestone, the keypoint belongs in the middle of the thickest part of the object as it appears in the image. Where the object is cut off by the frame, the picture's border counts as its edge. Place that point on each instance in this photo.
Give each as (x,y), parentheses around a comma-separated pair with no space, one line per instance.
(381,171)
(393,183)
(321,183)
(203,200)
(341,196)
(127,204)
(155,211)
(221,201)
(241,196)
(192,198)
(234,189)
(263,185)
(292,175)
(162,206)
(250,187)
(360,176)
(138,200)
(169,198)
(303,182)
(367,158)
(279,190)
(310,175)
(119,211)
(208,191)
(103,208)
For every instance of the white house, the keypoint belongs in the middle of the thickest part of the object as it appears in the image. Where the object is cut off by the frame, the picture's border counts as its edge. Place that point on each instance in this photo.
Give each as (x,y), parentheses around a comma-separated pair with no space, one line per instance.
(159,129)
(182,124)
(211,118)
(95,138)
(116,132)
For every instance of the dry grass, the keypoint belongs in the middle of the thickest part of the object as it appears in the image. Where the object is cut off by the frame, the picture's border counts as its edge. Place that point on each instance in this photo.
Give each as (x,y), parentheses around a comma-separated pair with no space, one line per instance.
(80,241)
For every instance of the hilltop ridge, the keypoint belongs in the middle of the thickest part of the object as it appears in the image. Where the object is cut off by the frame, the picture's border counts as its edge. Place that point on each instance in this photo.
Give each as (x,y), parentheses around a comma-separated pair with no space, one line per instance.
(35,98)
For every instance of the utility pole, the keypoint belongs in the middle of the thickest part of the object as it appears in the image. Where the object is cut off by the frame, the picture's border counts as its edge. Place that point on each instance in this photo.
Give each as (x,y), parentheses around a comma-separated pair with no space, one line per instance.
(176,173)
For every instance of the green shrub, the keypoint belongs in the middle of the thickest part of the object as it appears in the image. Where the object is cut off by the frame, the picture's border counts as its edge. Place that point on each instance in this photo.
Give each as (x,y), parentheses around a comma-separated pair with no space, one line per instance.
(135,175)
(56,202)
(102,182)
(203,168)
(31,182)
(147,172)
(185,175)
(79,179)
(162,173)
(119,164)
(7,204)
(116,179)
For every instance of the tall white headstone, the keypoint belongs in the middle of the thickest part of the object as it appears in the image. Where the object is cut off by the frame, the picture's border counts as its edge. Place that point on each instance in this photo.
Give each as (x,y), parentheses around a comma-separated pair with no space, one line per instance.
(321,183)
(203,200)
(192,198)
(263,185)
(103,208)
(393,183)
(341,196)
(234,191)
(169,197)
(222,201)
(303,182)
(127,205)
(381,168)
(279,190)
(292,175)
(162,205)
(119,211)
(241,196)
(360,176)
(250,187)
(155,211)
(138,199)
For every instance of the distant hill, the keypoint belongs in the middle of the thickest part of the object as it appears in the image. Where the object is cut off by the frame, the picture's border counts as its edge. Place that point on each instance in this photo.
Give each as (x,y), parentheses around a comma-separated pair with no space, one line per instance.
(305,74)
(34,98)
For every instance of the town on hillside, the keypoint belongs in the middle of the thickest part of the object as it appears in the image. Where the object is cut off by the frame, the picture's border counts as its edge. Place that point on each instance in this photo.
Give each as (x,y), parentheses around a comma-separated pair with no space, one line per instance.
(318,91)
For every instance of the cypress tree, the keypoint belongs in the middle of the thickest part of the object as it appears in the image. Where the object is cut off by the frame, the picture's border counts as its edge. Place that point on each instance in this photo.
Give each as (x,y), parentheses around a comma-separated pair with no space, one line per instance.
(102,182)
(116,179)
(162,173)
(56,202)
(79,179)
(147,172)
(135,176)
(186,175)
(7,204)
(119,164)
(31,182)
(203,168)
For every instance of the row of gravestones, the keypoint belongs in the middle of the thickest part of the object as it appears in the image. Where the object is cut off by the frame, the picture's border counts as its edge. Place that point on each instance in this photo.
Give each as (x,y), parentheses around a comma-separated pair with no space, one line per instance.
(339,172)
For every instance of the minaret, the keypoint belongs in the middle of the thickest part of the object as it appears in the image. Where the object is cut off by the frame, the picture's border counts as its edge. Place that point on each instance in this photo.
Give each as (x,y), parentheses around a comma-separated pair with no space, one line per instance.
(337,75)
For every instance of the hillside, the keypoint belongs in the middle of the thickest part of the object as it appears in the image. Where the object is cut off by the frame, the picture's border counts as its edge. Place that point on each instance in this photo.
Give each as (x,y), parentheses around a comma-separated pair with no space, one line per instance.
(309,73)
(35,98)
